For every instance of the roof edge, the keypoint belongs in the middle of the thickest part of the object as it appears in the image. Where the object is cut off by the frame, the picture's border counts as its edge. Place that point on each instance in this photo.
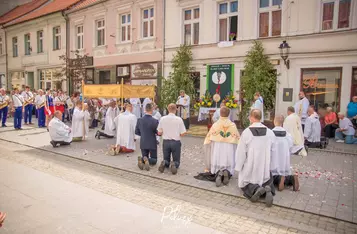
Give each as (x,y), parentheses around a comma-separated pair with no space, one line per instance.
(70,11)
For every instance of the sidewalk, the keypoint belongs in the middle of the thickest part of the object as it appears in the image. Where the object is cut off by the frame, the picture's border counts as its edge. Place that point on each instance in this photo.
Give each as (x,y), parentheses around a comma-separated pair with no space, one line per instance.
(327,179)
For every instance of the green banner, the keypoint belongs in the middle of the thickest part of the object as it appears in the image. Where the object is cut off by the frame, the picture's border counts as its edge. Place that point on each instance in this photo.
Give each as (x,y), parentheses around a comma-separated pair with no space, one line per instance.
(220,79)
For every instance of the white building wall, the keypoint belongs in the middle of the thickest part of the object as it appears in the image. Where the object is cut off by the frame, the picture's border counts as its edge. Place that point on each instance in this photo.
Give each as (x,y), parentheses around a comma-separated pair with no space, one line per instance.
(301,28)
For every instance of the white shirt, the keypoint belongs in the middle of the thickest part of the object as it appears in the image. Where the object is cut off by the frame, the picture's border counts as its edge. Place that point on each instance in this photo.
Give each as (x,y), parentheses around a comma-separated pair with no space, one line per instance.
(171,127)
(58,100)
(59,131)
(18,100)
(345,123)
(312,131)
(27,95)
(301,108)
(4,99)
(39,100)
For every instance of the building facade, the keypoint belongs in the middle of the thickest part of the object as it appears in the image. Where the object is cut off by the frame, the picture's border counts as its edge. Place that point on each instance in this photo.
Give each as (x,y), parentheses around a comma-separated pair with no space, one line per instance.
(123,37)
(321,34)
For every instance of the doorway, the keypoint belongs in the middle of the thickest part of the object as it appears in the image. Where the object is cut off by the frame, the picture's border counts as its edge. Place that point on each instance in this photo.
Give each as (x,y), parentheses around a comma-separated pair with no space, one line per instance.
(104,77)
(30,80)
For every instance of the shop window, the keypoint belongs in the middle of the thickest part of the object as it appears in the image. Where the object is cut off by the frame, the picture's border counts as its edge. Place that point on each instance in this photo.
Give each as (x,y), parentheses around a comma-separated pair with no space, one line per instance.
(191,26)
(104,77)
(354,82)
(50,78)
(228,21)
(322,86)
(270,18)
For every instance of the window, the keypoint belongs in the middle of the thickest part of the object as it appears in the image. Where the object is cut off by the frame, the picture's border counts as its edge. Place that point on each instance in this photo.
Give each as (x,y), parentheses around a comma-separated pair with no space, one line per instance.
(148,23)
(104,77)
(270,18)
(228,21)
(354,83)
(336,14)
(14,47)
(27,44)
(40,42)
(49,78)
(56,38)
(125,27)
(191,26)
(322,86)
(100,32)
(1,46)
(79,37)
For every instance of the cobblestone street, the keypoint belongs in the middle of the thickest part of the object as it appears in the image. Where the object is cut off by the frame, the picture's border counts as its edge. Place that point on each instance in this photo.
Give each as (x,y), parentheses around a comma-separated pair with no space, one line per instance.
(327,178)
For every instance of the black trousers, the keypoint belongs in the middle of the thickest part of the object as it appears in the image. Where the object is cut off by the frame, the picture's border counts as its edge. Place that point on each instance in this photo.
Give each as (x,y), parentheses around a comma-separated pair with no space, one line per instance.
(289,180)
(330,130)
(250,189)
(171,147)
(102,134)
(312,144)
(151,154)
(62,143)
(303,127)
(186,122)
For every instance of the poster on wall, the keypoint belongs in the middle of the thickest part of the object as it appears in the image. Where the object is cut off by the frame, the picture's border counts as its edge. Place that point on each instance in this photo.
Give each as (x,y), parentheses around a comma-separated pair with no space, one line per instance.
(220,79)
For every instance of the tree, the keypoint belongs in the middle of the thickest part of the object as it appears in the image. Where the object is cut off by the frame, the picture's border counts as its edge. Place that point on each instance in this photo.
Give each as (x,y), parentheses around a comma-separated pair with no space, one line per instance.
(259,76)
(179,78)
(73,70)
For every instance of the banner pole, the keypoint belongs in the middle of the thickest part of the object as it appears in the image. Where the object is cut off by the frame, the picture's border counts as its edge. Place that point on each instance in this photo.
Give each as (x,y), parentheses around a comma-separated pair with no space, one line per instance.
(122,94)
(84,118)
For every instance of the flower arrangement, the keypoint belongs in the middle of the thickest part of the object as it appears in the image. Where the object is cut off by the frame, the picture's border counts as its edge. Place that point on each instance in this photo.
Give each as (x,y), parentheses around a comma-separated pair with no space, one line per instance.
(205,101)
(232,36)
(230,101)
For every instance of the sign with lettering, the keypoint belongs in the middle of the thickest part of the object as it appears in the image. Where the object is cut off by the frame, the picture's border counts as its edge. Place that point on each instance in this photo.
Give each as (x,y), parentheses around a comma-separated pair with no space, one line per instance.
(145,70)
(311,81)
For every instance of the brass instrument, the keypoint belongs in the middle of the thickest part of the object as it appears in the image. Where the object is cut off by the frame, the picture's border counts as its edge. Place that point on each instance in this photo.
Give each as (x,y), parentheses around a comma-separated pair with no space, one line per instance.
(5,104)
(29,101)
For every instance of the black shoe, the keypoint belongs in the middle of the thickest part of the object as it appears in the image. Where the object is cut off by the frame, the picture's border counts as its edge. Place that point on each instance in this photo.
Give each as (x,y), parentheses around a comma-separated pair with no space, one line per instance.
(4,126)
(225,177)
(140,163)
(146,164)
(268,196)
(260,191)
(219,179)
(97,135)
(173,168)
(162,167)
(54,144)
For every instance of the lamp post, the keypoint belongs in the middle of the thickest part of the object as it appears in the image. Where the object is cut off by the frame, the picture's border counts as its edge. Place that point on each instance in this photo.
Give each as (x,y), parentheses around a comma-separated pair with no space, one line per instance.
(284,53)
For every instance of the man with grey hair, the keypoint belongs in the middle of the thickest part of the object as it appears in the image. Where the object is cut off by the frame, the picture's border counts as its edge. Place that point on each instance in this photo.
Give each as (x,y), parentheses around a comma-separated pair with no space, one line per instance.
(312,133)
(345,133)
(280,160)
(183,102)
(4,109)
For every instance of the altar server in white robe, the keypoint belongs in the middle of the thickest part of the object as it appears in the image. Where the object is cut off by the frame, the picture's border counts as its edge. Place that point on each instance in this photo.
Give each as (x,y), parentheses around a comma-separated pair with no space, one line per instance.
(220,147)
(184,100)
(312,132)
(280,160)
(253,158)
(125,124)
(145,102)
(156,115)
(136,106)
(258,104)
(292,125)
(60,133)
(109,127)
(301,107)
(80,121)
(217,113)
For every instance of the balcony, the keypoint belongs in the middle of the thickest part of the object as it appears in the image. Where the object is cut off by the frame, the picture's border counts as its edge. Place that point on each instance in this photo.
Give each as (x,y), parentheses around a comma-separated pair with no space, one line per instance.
(34,59)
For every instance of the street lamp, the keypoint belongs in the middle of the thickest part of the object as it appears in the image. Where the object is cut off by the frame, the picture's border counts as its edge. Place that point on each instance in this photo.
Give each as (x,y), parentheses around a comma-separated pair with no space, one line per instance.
(284,53)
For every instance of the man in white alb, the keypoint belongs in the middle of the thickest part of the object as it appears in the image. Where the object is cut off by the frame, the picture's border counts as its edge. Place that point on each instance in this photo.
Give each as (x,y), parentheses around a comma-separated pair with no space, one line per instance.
(60,133)
(301,108)
(135,102)
(258,104)
(145,102)
(171,128)
(312,132)
(125,124)
(109,127)
(184,111)
(80,121)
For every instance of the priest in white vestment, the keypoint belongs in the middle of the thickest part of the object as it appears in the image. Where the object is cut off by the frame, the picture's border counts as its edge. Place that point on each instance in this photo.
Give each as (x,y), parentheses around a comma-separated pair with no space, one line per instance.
(80,122)
(109,127)
(258,104)
(280,160)
(301,108)
(60,133)
(136,103)
(184,111)
(220,147)
(253,158)
(125,124)
(312,132)
(292,125)
(145,102)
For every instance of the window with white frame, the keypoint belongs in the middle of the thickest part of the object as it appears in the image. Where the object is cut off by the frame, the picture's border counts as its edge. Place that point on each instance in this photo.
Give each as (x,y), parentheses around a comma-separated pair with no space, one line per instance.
(148,23)
(27,40)
(336,14)
(39,41)
(100,32)
(79,37)
(191,26)
(270,18)
(1,46)
(228,20)
(14,47)
(56,38)
(125,27)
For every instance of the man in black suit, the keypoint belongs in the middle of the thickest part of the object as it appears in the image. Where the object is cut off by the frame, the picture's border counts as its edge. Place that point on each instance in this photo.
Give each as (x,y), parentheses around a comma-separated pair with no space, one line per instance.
(146,128)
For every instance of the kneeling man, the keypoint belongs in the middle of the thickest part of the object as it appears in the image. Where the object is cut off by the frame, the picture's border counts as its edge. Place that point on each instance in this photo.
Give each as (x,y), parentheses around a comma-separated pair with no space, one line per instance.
(60,133)
(125,124)
(312,132)
(253,158)
(280,160)
(221,144)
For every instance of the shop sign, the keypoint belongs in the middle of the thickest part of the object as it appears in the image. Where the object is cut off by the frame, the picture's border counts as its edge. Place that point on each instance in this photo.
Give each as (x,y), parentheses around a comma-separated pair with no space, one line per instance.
(145,70)
(87,61)
(313,82)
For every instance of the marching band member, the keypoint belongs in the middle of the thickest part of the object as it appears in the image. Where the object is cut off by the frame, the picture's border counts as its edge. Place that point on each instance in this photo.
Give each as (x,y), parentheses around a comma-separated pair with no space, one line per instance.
(4,102)
(40,102)
(28,104)
(49,106)
(184,101)
(18,108)
(59,103)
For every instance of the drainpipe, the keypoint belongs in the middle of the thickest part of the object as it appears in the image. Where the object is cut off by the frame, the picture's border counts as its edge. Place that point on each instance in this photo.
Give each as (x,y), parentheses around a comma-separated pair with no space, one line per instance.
(6,63)
(67,52)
